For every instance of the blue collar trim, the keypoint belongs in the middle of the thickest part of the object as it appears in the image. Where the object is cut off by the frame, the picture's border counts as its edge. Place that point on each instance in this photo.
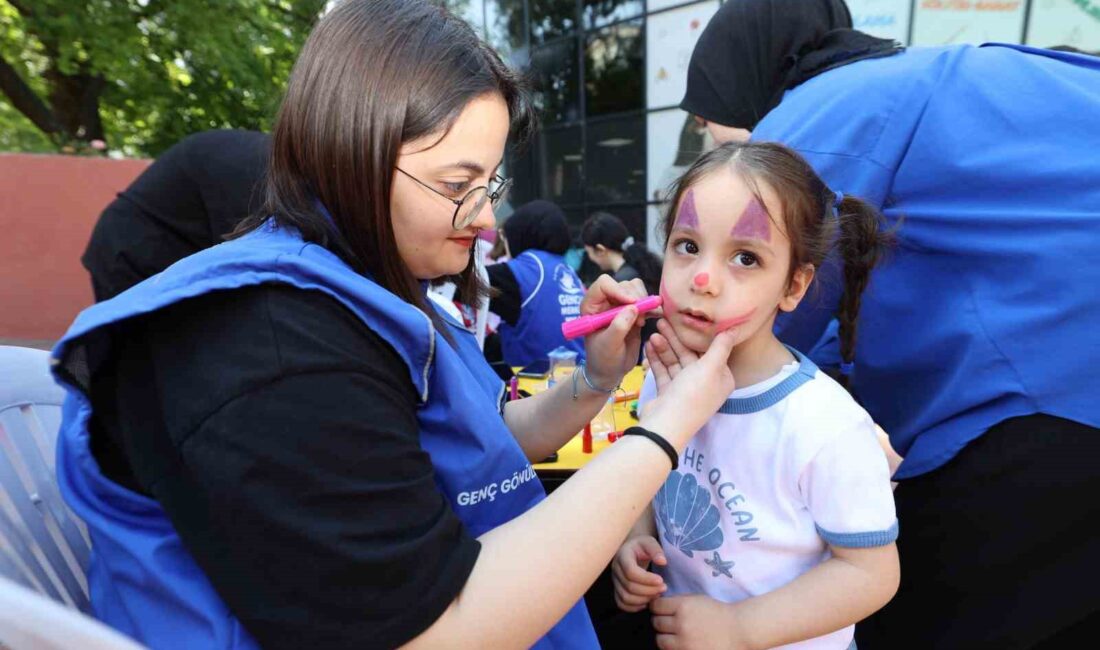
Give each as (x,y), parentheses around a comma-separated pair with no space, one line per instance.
(744,405)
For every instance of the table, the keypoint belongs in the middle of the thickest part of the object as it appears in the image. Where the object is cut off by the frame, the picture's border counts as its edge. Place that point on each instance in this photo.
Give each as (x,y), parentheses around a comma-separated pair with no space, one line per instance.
(571,457)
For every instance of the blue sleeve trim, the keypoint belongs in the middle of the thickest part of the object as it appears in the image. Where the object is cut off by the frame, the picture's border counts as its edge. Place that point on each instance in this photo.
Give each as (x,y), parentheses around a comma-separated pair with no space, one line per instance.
(860,540)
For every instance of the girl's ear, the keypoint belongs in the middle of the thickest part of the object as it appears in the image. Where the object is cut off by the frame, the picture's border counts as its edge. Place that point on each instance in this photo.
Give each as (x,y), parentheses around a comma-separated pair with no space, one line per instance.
(600,248)
(800,283)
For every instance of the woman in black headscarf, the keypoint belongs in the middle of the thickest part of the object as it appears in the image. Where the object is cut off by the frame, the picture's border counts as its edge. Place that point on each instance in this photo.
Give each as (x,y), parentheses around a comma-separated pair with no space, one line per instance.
(536,291)
(979,375)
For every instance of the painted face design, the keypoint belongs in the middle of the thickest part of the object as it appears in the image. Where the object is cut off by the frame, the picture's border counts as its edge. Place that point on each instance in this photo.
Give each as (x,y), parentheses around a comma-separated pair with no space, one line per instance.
(723,268)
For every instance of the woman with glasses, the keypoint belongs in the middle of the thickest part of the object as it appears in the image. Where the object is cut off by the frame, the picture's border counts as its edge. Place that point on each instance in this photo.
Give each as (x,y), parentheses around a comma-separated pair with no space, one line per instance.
(278,442)
(978,349)
(536,291)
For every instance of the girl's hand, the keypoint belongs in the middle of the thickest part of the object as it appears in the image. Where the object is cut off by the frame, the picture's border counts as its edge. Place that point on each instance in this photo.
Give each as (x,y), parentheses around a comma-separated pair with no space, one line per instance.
(635,587)
(612,351)
(693,622)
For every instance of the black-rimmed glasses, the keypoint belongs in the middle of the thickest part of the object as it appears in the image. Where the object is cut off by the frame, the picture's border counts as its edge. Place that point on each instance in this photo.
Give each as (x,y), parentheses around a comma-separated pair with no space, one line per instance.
(468,207)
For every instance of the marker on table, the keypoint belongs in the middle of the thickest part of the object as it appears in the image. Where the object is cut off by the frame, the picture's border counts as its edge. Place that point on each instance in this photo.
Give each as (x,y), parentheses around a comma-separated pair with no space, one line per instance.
(585,325)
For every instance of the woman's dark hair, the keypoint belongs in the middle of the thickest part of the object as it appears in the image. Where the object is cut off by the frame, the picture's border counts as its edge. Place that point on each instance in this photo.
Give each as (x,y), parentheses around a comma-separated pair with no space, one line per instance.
(607,230)
(807,206)
(538,225)
(373,75)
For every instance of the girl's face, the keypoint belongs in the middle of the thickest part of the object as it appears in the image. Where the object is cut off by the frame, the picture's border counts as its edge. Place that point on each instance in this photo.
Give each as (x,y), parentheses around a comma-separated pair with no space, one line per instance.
(727,261)
(466,157)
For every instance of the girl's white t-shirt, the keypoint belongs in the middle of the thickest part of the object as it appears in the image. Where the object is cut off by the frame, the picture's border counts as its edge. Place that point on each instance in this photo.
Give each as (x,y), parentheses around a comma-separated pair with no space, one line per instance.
(786,468)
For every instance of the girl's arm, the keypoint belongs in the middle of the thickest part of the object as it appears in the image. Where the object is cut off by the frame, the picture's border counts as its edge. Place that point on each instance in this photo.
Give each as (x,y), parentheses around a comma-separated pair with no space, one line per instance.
(534,568)
(544,422)
(839,592)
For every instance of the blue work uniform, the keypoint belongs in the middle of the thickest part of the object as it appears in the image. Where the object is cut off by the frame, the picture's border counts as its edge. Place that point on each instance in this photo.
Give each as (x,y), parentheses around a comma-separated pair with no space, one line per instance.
(987,309)
(143,581)
(550,294)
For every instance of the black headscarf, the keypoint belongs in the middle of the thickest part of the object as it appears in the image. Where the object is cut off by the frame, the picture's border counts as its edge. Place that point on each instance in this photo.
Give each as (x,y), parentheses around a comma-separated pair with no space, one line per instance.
(539,225)
(752,51)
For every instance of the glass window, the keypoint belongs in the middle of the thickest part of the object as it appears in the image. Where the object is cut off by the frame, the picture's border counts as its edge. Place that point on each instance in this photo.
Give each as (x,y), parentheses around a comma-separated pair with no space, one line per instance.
(552,18)
(521,167)
(562,164)
(613,69)
(598,13)
(557,81)
(506,30)
(615,158)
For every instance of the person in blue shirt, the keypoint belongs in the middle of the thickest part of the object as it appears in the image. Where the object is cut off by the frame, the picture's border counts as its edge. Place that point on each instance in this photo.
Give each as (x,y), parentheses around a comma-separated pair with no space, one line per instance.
(978,349)
(536,290)
(278,442)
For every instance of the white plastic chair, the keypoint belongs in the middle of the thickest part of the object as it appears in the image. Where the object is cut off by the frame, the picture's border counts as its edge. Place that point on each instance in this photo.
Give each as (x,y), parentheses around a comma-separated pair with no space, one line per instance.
(30,621)
(43,546)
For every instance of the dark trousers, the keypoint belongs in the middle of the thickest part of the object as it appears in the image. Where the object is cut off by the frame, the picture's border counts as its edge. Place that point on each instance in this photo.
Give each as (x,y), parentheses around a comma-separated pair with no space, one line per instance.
(1000,548)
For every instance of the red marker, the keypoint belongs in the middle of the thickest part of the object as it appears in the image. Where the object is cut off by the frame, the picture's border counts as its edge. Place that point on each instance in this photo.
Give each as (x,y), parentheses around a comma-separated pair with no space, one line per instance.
(586,439)
(585,325)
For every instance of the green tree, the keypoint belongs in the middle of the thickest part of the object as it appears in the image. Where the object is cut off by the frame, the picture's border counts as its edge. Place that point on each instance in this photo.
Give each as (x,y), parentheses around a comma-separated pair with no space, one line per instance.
(141,74)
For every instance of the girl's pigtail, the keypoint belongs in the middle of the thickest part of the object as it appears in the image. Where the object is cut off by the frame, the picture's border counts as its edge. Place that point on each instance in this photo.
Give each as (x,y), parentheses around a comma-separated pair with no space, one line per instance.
(862,242)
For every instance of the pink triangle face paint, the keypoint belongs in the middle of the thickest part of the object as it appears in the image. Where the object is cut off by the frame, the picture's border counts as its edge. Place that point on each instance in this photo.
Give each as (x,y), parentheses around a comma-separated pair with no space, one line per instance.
(585,325)
(687,217)
(754,223)
(701,279)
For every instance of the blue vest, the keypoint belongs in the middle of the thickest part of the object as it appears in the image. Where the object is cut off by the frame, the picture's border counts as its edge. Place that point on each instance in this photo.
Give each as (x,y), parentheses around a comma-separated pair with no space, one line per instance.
(551,293)
(143,582)
(987,308)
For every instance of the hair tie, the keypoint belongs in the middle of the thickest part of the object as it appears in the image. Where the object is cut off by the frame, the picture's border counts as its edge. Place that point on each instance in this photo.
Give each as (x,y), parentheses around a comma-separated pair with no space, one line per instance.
(838,198)
(846,368)
(628,242)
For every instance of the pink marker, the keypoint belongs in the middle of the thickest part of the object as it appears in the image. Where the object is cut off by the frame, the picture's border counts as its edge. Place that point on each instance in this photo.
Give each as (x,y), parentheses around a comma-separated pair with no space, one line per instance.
(585,325)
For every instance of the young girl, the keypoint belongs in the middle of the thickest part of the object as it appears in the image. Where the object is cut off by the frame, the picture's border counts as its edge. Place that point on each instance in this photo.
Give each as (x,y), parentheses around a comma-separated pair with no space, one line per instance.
(778,527)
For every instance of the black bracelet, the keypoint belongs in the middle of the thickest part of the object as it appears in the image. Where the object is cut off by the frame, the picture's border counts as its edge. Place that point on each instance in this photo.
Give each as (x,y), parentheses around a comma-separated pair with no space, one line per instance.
(661,442)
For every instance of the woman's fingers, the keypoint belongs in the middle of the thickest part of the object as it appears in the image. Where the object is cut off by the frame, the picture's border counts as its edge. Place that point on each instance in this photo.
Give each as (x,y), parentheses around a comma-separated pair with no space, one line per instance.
(685,355)
(660,373)
(605,293)
(666,354)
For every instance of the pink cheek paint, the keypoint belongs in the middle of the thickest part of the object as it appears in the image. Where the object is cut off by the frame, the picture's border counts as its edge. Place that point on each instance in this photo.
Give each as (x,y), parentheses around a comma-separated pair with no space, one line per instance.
(723,325)
(687,217)
(754,223)
(701,279)
(667,302)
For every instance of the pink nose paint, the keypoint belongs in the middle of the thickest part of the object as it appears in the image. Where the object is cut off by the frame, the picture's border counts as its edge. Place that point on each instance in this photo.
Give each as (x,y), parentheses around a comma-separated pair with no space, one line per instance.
(701,279)
(585,325)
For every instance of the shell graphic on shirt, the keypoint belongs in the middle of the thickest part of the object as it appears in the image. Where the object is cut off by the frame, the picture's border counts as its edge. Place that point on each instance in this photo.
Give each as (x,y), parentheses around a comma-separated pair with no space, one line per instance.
(688,519)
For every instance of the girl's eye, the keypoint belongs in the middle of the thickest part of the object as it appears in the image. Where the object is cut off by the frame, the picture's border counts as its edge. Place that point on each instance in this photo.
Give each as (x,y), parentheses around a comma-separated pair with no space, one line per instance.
(685,247)
(745,260)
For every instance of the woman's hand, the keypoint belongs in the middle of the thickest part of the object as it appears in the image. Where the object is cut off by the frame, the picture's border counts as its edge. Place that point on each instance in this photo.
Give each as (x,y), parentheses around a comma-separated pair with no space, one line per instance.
(690,387)
(612,351)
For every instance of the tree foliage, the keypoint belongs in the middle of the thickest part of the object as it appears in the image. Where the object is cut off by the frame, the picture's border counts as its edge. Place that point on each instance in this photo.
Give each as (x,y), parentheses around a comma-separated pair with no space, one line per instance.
(141,74)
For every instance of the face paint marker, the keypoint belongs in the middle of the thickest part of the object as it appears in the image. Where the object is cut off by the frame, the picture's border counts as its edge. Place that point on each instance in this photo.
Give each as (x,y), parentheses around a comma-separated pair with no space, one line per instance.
(579,327)
(754,223)
(687,217)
